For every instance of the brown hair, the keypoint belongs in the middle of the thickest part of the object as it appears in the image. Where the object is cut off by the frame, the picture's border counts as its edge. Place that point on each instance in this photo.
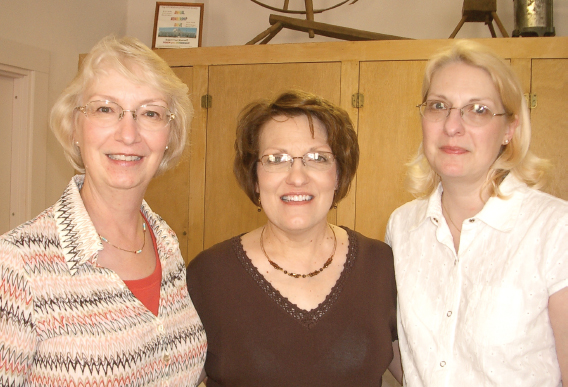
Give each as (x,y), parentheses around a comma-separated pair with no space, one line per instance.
(341,137)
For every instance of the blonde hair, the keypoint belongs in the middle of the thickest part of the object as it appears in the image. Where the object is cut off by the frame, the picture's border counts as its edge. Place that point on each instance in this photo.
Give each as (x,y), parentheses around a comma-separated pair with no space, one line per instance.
(515,156)
(132,59)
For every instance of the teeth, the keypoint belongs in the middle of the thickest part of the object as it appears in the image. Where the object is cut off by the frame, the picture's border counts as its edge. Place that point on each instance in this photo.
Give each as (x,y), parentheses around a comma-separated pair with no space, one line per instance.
(124,157)
(297,198)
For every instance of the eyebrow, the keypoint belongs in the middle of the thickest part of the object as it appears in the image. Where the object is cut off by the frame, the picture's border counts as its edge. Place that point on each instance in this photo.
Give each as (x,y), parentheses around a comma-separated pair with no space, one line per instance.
(112,99)
(472,100)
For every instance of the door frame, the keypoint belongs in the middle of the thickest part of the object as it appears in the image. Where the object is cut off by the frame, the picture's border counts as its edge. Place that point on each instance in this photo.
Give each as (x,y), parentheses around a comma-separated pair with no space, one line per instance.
(29,67)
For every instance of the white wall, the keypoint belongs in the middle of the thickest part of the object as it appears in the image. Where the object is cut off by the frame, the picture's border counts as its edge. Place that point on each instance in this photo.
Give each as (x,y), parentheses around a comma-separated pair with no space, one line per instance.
(64,29)
(235,22)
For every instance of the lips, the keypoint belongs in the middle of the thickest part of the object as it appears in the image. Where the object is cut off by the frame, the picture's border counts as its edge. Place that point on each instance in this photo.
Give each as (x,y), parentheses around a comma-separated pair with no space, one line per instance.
(123,157)
(453,150)
(296,198)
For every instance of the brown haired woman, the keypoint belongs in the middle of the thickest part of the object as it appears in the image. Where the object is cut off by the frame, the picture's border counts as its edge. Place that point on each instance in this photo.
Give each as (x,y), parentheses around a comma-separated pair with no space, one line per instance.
(297,302)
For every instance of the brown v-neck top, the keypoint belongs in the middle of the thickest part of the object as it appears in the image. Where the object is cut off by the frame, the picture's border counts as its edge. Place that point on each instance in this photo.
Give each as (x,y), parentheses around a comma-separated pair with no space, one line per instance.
(257,337)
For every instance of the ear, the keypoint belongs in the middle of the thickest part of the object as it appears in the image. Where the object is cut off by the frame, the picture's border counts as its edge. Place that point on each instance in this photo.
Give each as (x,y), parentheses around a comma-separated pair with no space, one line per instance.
(511,128)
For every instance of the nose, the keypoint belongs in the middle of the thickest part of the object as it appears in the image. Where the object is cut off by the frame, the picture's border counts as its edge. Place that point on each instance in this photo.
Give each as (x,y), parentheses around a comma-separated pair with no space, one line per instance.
(127,131)
(453,124)
(297,175)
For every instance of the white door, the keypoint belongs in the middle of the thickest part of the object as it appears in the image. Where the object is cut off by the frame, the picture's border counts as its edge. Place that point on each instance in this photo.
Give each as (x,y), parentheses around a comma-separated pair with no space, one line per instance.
(6,124)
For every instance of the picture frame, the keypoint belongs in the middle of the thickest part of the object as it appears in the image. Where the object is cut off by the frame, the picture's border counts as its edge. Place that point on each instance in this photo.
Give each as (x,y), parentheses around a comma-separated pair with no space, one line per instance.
(177,25)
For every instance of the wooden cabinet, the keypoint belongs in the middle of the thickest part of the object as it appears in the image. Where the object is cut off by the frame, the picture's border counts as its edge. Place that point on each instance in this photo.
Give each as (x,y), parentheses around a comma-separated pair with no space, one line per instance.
(200,198)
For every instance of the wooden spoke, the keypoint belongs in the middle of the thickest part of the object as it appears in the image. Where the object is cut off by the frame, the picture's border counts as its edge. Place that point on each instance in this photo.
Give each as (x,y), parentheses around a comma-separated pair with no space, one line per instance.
(285,9)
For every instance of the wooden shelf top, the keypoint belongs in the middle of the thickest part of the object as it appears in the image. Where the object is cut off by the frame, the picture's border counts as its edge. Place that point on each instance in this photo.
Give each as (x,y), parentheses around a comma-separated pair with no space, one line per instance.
(539,47)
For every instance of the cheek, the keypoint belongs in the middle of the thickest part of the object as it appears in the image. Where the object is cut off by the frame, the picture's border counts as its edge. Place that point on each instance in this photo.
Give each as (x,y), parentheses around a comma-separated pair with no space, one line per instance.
(428,142)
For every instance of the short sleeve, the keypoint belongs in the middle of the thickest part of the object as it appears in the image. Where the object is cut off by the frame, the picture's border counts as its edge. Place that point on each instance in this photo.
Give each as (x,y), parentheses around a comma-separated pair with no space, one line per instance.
(17,328)
(556,255)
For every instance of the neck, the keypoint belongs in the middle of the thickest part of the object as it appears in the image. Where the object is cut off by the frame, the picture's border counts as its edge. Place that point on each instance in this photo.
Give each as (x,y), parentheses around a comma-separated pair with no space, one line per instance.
(113,212)
(300,247)
(297,239)
(463,199)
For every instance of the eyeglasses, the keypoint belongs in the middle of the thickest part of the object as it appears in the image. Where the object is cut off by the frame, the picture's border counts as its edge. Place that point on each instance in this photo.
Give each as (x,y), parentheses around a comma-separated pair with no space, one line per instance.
(107,113)
(473,114)
(319,161)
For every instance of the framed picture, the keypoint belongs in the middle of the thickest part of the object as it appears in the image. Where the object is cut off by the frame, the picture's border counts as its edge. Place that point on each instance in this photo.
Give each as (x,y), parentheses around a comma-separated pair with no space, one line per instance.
(177,25)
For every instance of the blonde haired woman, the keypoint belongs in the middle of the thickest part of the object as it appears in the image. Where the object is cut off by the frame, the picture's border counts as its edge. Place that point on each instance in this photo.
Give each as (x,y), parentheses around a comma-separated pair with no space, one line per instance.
(93,289)
(481,256)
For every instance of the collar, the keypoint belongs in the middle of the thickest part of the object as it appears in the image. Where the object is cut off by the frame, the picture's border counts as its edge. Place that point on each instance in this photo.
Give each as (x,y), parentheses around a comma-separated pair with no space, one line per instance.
(80,241)
(501,214)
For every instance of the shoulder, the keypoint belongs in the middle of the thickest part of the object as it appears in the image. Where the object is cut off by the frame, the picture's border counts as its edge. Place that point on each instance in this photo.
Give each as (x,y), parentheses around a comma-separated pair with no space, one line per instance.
(542,202)
(41,230)
(547,214)
(213,257)
(369,247)
(31,246)
(410,209)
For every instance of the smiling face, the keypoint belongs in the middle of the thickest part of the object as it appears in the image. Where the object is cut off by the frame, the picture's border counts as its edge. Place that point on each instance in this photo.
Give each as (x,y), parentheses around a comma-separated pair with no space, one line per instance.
(120,156)
(300,198)
(455,150)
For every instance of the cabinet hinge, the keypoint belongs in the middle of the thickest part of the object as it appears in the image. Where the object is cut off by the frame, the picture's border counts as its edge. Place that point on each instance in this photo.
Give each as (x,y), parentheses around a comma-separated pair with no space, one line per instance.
(357,100)
(532,100)
(206,101)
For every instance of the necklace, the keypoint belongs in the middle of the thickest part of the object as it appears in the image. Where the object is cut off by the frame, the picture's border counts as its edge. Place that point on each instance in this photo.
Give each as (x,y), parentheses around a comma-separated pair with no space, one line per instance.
(129,251)
(450,218)
(313,273)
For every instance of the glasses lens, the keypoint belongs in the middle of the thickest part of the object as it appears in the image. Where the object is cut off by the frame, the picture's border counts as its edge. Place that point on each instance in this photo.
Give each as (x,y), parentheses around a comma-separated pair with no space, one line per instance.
(104,113)
(434,110)
(276,162)
(476,114)
(152,117)
(320,161)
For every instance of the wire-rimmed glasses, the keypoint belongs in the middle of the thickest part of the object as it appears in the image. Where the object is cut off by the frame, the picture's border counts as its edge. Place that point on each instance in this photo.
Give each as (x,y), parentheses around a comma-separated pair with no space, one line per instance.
(282,162)
(474,114)
(107,113)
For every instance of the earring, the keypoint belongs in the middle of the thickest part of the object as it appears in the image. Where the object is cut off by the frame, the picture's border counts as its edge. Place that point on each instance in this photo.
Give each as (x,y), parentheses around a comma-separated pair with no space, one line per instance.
(259,208)
(506,142)
(167,147)
(77,143)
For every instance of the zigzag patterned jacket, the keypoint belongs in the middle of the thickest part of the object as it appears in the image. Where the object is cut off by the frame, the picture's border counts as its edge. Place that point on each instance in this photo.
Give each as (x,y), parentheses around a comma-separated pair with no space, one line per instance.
(64,321)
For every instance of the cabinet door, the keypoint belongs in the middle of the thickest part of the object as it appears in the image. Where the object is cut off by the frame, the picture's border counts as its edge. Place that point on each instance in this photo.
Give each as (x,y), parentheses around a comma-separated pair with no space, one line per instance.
(228,211)
(167,194)
(389,135)
(550,120)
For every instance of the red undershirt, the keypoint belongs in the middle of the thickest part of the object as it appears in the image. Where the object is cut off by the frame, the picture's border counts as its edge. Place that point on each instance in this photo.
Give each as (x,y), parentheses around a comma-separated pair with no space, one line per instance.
(147,290)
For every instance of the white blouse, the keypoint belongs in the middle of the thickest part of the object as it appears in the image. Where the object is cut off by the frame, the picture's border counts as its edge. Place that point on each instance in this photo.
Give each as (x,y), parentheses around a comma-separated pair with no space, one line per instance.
(479,317)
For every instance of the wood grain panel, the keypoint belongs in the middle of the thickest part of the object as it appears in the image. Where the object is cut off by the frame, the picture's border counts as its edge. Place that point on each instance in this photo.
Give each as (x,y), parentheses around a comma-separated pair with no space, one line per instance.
(550,120)
(349,86)
(389,135)
(228,211)
(167,194)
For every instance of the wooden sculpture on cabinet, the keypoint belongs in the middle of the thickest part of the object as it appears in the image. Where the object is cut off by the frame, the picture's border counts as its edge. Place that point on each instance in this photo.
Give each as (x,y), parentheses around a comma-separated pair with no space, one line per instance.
(310,26)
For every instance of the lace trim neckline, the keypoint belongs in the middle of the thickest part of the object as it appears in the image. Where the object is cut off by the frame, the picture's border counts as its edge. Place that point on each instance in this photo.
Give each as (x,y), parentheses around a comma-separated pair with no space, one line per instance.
(306,318)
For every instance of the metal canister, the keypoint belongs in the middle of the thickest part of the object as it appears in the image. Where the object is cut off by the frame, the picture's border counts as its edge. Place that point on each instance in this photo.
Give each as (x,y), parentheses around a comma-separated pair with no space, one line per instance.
(533,18)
